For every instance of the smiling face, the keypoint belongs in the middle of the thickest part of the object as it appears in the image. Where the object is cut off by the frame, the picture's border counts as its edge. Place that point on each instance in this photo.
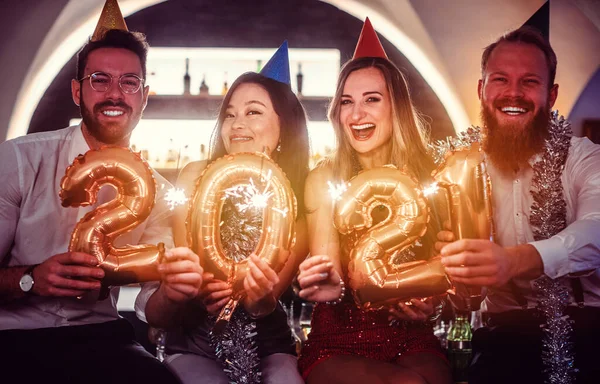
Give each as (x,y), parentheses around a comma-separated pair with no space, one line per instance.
(516,99)
(516,85)
(250,123)
(109,117)
(365,110)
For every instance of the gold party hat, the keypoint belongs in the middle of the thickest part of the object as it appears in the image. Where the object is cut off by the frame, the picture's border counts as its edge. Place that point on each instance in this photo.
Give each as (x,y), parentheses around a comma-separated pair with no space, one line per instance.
(110,18)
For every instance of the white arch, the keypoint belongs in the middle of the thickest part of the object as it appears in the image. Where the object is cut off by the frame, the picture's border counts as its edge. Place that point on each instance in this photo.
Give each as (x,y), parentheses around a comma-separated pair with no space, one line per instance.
(69,32)
(78,19)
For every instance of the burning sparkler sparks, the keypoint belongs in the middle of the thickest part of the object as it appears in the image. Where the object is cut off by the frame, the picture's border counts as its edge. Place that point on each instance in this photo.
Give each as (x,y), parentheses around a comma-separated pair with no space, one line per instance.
(252,196)
(336,190)
(431,189)
(175,197)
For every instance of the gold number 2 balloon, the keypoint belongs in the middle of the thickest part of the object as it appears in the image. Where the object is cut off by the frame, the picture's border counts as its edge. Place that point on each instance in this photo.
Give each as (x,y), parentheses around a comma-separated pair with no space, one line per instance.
(374,279)
(96,231)
(204,216)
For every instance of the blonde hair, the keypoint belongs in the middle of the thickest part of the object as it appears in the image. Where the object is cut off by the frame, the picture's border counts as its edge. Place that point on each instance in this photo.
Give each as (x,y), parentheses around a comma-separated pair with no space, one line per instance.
(409,136)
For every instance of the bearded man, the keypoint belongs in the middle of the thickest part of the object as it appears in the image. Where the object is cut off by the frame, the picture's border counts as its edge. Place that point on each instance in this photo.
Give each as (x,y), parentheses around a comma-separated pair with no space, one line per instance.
(53,325)
(546,197)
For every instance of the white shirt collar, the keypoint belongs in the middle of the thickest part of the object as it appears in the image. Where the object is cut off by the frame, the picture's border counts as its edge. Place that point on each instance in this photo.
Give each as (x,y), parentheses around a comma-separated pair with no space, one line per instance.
(78,144)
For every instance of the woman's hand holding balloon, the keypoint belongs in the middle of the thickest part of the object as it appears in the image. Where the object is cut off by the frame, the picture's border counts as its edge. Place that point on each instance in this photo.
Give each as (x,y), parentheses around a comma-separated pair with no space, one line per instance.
(319,280)
(181,275)
(417,310)
(259,284)
(215,294)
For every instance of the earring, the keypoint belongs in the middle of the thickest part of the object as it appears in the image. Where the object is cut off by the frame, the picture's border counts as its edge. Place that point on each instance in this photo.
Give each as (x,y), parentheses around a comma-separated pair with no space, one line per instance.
(278,149)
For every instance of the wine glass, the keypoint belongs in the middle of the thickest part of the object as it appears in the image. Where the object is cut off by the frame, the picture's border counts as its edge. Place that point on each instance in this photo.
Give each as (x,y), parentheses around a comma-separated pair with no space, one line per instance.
(304,320)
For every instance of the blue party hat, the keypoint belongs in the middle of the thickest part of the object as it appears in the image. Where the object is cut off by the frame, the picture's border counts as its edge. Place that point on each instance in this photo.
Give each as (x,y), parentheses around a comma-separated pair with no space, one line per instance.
(278,67)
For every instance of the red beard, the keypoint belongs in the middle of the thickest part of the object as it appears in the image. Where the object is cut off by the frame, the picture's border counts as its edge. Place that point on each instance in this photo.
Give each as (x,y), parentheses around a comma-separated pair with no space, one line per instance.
(509,147)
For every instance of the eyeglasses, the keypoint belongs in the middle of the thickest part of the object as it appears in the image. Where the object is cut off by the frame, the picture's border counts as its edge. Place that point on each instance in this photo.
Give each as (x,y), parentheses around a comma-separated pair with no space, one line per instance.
(101,82)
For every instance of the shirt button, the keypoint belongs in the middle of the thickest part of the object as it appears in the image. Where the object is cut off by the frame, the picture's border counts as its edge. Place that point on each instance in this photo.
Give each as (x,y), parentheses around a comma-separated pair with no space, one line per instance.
(517,181)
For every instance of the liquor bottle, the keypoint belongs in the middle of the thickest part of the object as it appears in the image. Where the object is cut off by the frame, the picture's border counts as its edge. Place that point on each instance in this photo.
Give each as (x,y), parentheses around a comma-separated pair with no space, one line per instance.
(459,347)
(258,66)
(225,86)
(185,157)
(186,78)
(299,78)
(172,155)
(203,86)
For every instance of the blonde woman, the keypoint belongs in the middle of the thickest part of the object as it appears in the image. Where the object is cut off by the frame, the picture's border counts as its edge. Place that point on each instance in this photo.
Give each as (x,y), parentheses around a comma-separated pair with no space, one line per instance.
(375,124)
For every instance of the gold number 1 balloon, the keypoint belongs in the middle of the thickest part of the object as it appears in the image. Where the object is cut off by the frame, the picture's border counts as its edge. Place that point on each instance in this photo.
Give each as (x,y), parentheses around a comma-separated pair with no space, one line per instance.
(374,279)
(97,230)
(279,216)
(464,177)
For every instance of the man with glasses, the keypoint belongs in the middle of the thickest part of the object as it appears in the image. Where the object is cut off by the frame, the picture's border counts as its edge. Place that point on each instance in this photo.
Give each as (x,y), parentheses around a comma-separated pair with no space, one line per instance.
(53,324)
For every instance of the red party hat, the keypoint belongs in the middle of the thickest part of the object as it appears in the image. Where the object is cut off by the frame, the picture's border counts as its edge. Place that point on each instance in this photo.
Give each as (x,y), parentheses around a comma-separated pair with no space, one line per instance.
(368,43)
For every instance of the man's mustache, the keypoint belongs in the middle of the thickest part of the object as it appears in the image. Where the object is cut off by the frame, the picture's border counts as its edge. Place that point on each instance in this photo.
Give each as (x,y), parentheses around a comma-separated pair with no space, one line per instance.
(105,104)
(514,102)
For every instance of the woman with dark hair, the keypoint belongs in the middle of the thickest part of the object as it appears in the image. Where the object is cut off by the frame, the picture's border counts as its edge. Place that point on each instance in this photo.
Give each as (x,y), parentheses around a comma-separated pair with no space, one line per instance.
(375,124)
(260,113)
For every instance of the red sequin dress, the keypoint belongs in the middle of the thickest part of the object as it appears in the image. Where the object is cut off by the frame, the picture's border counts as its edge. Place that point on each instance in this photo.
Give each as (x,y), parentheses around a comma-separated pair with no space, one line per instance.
(345,329)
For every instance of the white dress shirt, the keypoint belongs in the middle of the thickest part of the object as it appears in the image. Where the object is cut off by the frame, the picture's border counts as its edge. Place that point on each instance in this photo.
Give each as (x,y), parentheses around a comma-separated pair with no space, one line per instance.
(575,251)
(34,226)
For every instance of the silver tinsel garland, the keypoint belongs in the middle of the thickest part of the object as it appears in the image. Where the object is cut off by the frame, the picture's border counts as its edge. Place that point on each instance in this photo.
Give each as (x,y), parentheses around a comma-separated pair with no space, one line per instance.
(548,217)
(465,139)
(237,351)
(236,346)
(406,256)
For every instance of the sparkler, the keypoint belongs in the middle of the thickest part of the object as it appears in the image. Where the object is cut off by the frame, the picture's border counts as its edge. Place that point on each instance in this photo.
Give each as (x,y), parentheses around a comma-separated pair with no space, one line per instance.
(431,189)
(336,190)
(252,196)
(175,197)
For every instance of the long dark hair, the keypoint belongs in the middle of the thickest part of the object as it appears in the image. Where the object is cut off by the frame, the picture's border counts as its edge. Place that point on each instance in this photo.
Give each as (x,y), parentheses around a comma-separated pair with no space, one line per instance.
(294,146)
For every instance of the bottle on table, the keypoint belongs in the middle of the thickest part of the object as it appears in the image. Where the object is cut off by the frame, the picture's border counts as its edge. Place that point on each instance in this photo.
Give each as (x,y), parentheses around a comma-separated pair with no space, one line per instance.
(186,78)
(459,346)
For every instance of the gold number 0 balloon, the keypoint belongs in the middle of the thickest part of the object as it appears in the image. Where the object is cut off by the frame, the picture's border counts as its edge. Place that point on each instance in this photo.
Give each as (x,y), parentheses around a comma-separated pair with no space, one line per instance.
(204,216)
(373,278)
(96,231)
